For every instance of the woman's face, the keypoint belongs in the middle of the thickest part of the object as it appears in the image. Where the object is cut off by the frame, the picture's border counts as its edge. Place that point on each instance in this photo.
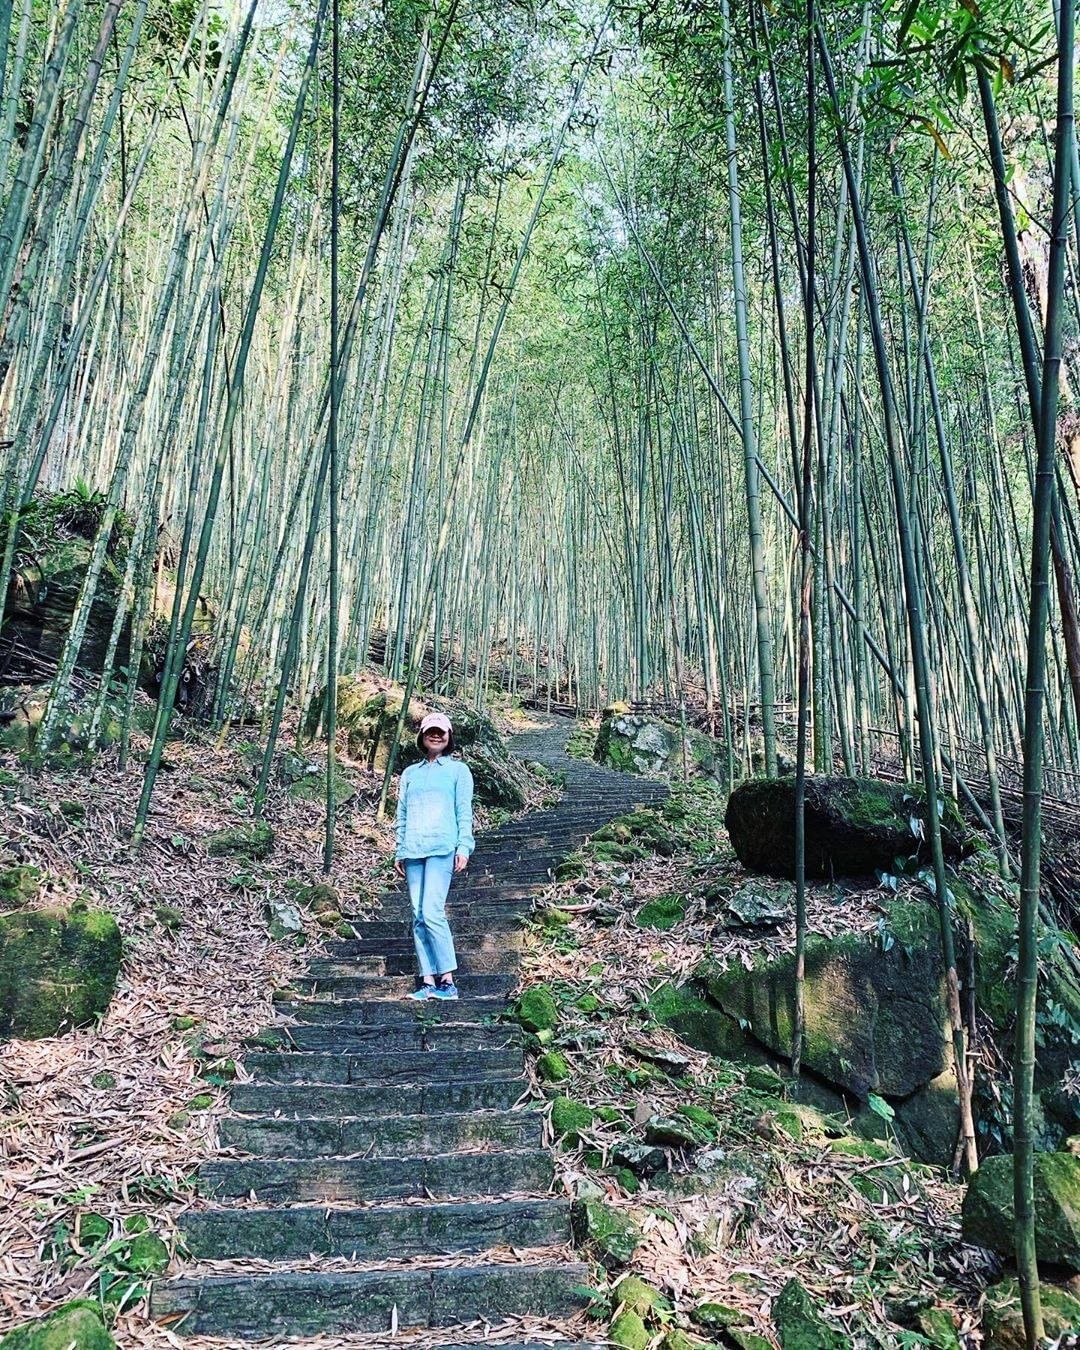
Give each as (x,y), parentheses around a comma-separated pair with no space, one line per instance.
(434,740)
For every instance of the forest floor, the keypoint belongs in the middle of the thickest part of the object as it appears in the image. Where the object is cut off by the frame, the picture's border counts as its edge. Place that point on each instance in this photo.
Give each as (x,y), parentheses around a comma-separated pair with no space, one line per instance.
(113,1121)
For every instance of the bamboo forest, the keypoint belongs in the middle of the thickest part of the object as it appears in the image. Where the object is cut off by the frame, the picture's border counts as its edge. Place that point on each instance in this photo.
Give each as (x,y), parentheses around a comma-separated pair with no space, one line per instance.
(567,510)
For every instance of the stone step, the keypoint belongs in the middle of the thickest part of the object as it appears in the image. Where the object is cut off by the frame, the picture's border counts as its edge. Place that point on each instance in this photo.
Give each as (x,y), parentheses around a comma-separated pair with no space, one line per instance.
(374,1232)
(353,1038)
(379,1137)
(478,937)
(310,1303)
(397,986)
(396,1012)
(292,1099)
(394,1066)
(355,1180)
(402,961)
(396,925)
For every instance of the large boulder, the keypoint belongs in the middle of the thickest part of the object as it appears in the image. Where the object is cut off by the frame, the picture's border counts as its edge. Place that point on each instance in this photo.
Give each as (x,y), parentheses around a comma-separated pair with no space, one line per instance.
(875,1016)
(854,826)
(639,744)
(58,969)
(988,1214)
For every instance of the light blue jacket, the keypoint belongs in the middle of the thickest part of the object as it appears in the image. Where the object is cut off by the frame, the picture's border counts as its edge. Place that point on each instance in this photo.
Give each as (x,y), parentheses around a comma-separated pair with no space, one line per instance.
(434,812)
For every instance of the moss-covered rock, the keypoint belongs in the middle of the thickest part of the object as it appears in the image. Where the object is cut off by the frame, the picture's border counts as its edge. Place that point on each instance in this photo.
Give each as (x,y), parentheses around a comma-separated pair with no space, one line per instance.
(242,841)
(1003,1321)
(661,914)
(283,921)
(638,744)
(169,917)
(929,1120)
(628,1331)
(58,969)
(799,1324)
(75,1326)
(552,1067)
(18,885)
(633,1294)
(319,898)
(610,1233)
(673,1132)
(717,1316)
(679,1340)
(854,826)
(569,1119)
(537,1010)
(939,1328)
(988,1213)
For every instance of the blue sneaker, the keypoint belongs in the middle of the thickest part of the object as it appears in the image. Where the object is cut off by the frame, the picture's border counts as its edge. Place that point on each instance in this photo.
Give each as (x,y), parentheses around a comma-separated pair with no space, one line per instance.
(447,992)
(420,995)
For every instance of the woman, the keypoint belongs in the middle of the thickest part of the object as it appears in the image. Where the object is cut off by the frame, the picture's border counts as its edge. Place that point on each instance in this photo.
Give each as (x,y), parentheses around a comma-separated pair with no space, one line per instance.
(434,840)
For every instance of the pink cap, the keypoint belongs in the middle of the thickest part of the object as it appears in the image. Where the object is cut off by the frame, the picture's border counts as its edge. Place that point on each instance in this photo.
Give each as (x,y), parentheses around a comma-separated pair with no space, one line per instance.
(436,720)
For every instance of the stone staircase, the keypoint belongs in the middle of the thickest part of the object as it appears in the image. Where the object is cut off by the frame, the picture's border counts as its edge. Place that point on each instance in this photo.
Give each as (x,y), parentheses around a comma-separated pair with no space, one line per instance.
(390,1133)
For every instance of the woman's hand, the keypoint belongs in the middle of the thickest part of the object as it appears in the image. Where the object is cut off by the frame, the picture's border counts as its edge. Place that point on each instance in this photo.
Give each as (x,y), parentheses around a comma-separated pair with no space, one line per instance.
(461,861)
(399,867)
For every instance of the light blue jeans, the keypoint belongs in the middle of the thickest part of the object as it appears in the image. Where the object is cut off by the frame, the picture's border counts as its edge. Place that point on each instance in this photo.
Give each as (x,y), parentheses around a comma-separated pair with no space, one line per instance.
(428,880)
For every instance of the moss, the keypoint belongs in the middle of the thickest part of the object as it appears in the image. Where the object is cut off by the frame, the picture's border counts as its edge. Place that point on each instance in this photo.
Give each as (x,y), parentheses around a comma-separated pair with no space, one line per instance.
(552,1067)
(587,1003)
(72,811)
(799,1324)
(569,1119)
(221,1071)
(610,1233)
(937,1325)
(76,1326)
(705,1121)
(662,913)
(136,1223)
(861,1148)
(241,841)
(58,969)
(988,1208)
(94,1229)
(184,1023)
(146,1255)
(103,1080)
(202,1101)
(537,1010)
(633,1294)
(18,885)
(628,1331)
(168,917)
(679,1340)
(716,1316)
(178,1120)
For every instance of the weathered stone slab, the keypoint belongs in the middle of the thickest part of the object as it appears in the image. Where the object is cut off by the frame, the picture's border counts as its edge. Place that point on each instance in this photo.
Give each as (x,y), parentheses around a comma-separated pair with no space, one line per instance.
(403,1066)
(292,1099)
(389,1136)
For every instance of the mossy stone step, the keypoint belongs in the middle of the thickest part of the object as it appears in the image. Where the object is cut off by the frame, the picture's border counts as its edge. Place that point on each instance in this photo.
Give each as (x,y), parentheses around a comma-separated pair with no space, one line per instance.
(387,1012)
(356,1037)
(397,986)
(379,1137)
(291,1099)
(473,935)
(395,1066)
(272,1181)
(373,1233)
(308,1303)
(396,924)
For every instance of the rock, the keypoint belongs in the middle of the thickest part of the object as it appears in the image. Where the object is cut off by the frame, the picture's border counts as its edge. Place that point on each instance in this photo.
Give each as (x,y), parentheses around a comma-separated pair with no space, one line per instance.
(58,969)
(757,907)
(169,917)
(146,1254)
(75,1326)
(1003,1322)
(611,1233)
(628,1331)
(552,1067)
(645,828)
(799,1324)
(305,779)
(283,920)
(661,914)
(939,1328)
(988,1215)
(241,841)
(537,1010)
(644,1160)
(633,1294)
(854,826)
(94,1229)
(18,885)
(698,1022)
(929,1120)
(320,898)
(639,744)
(716,1316)
(569,1119)
(875,1019)
(670,1132)
(748,1340)
(679,1340)
(668,1060)
(706,1124)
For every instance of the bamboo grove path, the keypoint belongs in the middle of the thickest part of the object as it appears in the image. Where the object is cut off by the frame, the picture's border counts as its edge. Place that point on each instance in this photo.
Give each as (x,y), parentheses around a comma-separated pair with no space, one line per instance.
(392,1135)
